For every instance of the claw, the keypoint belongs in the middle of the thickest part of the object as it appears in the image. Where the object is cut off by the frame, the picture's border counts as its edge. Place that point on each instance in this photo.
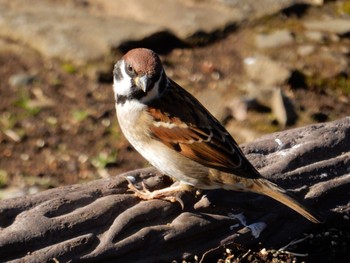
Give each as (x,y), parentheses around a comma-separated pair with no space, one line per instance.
(168,194)
(175,199)
(144,193)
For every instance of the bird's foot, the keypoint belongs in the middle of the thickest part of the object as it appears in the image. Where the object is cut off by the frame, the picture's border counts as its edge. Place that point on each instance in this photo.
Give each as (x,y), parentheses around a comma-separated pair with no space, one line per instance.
(170,193)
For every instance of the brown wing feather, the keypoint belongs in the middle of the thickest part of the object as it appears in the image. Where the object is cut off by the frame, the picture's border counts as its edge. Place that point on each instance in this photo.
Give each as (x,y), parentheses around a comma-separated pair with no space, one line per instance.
(196,134)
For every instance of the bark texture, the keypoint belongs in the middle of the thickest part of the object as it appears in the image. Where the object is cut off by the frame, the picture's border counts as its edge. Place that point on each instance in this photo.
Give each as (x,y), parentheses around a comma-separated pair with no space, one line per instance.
(101,221)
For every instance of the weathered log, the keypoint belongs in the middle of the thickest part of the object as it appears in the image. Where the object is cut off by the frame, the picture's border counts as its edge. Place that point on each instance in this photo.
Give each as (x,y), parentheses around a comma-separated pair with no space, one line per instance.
(101,221)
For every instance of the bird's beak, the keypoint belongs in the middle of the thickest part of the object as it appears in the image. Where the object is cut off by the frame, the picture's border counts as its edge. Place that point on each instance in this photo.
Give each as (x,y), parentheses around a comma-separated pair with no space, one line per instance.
(142,82)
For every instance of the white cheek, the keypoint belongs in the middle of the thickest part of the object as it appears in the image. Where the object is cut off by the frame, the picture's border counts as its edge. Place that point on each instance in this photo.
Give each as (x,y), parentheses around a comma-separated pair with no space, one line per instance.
(122,86)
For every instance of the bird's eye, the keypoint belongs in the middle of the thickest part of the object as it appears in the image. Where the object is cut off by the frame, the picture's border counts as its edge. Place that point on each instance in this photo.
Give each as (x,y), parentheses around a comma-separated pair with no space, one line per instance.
(130,69)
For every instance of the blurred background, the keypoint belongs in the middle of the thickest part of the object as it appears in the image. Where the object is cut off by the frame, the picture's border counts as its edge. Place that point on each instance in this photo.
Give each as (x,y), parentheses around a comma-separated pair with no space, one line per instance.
(258,66)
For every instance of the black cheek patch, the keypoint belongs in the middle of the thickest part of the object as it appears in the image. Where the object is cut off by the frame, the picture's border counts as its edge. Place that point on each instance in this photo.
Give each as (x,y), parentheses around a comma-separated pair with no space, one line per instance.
(117,72)
(121,99)
(137,93)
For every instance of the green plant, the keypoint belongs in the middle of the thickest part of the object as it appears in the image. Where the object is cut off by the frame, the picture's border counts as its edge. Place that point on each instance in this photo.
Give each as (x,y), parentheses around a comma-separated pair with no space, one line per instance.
(24,101)
(80,115)
(7,121)
(344,7)
(3,178)
(103,159)
(69,68)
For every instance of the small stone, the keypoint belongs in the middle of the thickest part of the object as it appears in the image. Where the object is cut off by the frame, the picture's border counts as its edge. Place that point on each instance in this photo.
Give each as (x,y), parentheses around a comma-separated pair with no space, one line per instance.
(344,49)
(207,67)
(305,50)
(265,71)
(64,157)
(12,135)
(238,109)
(40,143)
(283,108)
(52,120)
(315,36)
(202,203)
(276,39)
(21,79)
(264,252)
(24,157)
(215,75)
(66,127)
(334,38)
(103,173)
(106,122)
(337,26)
(12,192)
(33,190)
(83,158)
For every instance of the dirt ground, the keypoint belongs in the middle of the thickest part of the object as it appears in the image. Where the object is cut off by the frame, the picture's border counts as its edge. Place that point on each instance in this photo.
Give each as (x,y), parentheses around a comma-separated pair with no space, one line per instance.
(327,244)
(59,127)
(58,124)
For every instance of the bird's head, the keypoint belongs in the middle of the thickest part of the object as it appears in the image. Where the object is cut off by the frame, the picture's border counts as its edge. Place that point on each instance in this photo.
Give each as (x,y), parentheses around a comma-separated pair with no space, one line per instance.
(137,76)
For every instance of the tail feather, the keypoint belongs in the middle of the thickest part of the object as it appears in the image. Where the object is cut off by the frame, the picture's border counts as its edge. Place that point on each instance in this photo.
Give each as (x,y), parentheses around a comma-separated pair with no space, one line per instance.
(265,187)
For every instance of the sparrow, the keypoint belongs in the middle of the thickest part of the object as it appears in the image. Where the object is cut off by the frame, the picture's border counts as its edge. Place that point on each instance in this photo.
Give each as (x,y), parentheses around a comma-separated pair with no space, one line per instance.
(177,135)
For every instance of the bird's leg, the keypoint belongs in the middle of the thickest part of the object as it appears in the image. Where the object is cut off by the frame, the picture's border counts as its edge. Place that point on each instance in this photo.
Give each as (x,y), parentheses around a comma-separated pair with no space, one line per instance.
(168,193)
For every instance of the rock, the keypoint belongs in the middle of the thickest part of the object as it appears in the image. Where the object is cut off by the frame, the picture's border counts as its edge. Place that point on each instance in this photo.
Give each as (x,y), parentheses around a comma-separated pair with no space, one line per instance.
(257,8)
(190,17)
(315,36)
(12,135)
(212,98)
(78,36)
(274,99)
(12,192)
(338,26)
(100,221)
(326,64)
(276,39)
(21,79)
(265,71)
(88,32)
(241,133)
(283,108)
(238,108)
(305,50)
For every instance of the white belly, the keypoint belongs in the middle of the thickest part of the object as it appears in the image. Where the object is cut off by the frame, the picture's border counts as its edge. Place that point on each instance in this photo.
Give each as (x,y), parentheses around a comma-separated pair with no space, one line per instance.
(165,159)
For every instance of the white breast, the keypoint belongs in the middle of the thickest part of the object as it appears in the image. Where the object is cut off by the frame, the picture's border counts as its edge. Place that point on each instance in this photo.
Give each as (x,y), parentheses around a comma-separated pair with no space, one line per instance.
(134,122)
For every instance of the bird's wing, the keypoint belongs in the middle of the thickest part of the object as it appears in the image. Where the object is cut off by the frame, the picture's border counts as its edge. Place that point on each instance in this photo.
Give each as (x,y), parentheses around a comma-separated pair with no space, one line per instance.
(182,123)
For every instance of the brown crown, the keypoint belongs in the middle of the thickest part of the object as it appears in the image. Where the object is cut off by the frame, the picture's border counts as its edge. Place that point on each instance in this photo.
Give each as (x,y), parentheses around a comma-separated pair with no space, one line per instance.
(144,61)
